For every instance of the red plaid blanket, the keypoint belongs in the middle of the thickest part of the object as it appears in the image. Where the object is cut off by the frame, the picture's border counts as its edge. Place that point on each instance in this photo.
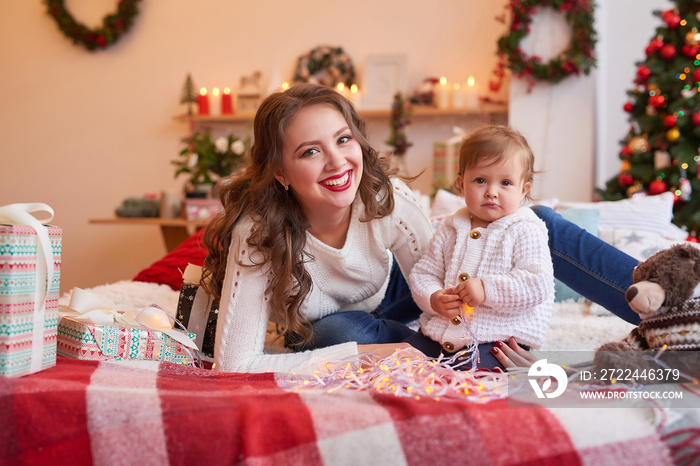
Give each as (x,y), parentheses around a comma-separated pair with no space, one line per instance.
(146,412)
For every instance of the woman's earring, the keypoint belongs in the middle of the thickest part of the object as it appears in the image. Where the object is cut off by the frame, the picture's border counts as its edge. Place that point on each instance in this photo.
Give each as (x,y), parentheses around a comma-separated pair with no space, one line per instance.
(286,187)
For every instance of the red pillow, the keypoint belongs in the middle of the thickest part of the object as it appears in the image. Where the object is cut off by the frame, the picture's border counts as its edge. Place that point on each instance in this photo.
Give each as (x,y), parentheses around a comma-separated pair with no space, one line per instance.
(168,270)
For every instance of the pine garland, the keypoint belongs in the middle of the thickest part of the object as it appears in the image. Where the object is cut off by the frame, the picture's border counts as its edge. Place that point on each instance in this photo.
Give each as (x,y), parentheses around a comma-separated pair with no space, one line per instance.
(112,28)
(576,58)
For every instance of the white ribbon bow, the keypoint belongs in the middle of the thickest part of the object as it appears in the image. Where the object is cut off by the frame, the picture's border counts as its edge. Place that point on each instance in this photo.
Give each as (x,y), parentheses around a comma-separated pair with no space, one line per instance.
(85,306)
(21,214)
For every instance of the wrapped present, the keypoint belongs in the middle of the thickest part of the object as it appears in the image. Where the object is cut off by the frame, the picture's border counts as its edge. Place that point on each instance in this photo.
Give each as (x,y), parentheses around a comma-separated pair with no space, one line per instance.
(85,340)
(446,160)
(198,311)
(30,268)
(90,328)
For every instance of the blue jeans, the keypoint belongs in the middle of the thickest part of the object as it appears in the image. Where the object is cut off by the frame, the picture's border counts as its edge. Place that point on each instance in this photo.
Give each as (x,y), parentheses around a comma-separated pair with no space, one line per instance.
(588,265)
(386,324)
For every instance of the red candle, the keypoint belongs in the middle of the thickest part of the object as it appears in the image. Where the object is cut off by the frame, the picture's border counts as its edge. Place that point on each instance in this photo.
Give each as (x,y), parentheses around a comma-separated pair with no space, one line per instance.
(203,101)
(226,102)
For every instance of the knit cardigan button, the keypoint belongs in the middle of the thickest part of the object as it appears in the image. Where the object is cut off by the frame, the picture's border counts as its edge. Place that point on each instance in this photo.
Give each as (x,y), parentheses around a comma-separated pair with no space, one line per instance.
(456,320)
(463,277)
(474,234)
(448,346)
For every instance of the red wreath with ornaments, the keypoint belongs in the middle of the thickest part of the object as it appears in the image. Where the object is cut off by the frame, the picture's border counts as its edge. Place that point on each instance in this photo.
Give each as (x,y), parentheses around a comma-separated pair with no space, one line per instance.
(578,57)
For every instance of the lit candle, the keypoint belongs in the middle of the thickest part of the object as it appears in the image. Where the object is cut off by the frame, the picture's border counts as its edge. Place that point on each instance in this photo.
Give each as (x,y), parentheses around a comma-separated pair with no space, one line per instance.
(203,101)
(285,86)
(215,103)
(226,102)
(355,96)
(471,94)
(457,98)
(443,100)
(341,89)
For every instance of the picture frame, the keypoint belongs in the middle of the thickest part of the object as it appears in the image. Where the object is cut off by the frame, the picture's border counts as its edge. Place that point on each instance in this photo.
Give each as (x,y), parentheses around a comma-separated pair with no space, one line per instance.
(384,76)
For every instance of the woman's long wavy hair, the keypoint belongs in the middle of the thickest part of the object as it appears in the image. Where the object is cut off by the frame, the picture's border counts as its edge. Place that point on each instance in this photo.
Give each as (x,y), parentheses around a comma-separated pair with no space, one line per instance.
(280,225)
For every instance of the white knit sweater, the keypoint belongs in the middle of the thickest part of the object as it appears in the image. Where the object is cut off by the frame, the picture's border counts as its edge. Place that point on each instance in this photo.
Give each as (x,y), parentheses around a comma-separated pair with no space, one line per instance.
(354,277)
(512,259)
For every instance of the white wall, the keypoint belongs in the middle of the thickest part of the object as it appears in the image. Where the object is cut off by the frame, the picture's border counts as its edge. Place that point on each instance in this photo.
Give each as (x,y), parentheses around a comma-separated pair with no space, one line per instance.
(82,131)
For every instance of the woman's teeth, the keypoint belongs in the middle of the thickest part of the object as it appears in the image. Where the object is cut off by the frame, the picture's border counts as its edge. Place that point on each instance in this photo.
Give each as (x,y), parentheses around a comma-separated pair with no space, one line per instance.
(337,181)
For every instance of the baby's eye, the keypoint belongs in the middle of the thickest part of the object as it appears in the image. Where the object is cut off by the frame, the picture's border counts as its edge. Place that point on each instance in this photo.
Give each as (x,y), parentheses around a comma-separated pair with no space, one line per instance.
(479,181)
(506,183)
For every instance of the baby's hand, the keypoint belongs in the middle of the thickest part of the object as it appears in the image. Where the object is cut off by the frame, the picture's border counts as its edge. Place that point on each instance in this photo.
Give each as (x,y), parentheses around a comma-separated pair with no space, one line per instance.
(471,292)
(446,302)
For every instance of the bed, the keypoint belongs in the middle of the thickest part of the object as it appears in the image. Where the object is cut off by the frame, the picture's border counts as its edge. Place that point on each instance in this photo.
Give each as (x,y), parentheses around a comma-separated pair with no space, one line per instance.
(150,412)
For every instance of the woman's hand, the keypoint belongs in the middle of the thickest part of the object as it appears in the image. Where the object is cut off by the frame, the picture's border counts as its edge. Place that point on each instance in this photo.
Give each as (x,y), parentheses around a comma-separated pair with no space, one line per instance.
(383,349)
(512,355)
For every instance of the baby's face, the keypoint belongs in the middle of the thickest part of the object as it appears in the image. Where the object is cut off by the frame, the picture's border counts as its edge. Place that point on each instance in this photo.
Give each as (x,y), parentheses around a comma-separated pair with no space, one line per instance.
(493,191)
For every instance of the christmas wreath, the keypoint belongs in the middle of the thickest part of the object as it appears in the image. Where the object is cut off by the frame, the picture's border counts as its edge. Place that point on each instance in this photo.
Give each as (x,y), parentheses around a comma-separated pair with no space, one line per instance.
(325,65)
(576,58)
(113,26)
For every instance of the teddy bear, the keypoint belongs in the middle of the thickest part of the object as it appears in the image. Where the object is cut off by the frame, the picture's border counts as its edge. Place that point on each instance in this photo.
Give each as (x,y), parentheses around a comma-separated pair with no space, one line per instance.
(666,295)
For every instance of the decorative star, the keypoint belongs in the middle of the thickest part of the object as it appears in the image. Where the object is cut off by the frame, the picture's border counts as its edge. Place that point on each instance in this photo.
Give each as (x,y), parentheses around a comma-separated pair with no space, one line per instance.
(633,238)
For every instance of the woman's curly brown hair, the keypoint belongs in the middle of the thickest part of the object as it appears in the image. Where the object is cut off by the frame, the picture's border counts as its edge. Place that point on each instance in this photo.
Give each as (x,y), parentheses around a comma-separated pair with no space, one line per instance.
(280,225)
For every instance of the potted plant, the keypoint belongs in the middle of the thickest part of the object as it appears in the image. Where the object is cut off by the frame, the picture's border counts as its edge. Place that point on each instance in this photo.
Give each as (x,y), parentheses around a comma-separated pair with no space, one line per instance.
(206,161)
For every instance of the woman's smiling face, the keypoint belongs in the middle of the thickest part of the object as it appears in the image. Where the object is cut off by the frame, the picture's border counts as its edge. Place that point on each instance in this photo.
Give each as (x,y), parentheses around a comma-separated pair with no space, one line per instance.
(321,161)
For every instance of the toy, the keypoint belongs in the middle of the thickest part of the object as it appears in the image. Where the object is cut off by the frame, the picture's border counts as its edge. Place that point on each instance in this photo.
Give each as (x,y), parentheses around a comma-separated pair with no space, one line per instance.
(666,295)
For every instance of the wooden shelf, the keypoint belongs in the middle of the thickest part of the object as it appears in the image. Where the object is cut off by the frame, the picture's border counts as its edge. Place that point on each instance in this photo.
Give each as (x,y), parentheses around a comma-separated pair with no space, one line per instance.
(174,230)
(418,112)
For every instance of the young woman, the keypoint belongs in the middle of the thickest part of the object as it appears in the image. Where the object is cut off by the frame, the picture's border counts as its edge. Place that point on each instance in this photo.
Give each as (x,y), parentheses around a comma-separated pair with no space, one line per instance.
(316,235)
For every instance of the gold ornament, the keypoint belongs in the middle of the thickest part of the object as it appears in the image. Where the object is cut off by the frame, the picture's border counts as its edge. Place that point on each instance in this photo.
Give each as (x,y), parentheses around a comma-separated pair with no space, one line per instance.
(626,165)
(639,145)
(673,134)
(635,188)
(692,38)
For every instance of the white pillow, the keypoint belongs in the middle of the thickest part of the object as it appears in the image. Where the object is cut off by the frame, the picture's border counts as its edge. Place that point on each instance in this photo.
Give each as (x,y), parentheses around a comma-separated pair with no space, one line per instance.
(446,203)
(647,213)
(639,244)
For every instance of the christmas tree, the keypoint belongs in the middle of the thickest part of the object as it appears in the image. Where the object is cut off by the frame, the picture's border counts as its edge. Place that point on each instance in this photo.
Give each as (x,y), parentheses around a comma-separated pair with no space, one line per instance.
(660,152)
(189,94)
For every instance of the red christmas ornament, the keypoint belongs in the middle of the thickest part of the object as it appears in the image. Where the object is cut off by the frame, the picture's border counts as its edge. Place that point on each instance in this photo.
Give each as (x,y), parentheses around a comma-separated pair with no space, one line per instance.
(695,119)
(643,72)
(670,121)
(629,106)
(696,75)
(625,179)
(689,51)
(668,52)
(654,46)
(657,187)
(671,18)
(626,152)
(657,101)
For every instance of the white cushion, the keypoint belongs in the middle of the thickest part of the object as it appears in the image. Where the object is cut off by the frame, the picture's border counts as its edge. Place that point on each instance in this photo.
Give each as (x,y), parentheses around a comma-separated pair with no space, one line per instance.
(647,213)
